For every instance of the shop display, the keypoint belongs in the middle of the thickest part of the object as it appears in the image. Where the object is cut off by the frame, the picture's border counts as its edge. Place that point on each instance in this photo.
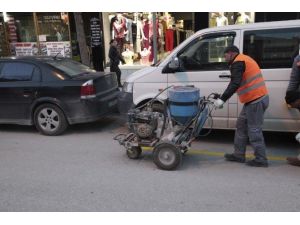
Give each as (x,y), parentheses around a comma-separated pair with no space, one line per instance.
(242,18)
(134,34)
(128,56)
(139,32)
(221,19)
(145,56)
(217,19)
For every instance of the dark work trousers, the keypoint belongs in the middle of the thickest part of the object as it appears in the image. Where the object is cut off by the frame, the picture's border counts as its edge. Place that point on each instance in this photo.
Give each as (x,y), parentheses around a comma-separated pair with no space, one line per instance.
(116,69)
(249,128)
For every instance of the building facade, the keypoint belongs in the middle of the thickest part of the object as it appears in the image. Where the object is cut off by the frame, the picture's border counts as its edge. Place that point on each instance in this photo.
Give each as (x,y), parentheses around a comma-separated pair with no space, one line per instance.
(143,37)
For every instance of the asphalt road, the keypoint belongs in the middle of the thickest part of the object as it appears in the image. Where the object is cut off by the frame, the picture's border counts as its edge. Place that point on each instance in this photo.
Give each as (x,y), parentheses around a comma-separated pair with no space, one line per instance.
(85,170)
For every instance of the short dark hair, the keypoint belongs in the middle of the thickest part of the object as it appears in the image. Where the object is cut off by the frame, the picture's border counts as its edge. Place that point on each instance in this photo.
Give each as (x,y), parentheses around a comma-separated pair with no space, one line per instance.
(111,41)
(232,48)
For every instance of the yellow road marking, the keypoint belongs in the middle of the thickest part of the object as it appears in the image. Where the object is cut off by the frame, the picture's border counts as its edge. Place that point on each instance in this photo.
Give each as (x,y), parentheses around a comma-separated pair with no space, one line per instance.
(221,154)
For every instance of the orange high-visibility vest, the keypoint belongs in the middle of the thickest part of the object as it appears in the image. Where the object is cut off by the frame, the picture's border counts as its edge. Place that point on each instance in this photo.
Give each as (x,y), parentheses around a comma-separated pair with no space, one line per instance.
(253,85)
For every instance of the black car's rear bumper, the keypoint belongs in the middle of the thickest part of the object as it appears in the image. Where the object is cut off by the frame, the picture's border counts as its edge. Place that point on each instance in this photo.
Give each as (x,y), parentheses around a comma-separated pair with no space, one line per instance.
(125,102)
(90,110)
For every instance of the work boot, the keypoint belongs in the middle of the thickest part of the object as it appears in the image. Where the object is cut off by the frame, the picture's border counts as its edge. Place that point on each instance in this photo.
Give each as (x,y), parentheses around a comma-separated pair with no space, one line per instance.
(256,163)
(293,161)
(234,158)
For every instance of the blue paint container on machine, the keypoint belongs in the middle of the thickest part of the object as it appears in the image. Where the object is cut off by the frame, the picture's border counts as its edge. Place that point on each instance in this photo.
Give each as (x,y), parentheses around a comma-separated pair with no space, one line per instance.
(183,103)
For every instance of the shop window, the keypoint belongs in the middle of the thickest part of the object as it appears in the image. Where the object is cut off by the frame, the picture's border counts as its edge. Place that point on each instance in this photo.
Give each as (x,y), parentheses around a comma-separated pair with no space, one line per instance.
(134,32)
(21,27)
(218,19)
(53,26)
(53,34)
(272,48)
(206,53)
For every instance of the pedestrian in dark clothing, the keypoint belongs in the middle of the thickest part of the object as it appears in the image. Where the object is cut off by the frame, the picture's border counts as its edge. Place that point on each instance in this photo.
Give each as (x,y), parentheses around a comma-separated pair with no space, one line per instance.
(248,82)
(292,98)
(115,59)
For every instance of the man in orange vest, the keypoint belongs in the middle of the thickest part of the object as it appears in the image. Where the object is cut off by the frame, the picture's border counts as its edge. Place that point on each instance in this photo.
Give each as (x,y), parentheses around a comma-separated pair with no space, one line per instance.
(248,82)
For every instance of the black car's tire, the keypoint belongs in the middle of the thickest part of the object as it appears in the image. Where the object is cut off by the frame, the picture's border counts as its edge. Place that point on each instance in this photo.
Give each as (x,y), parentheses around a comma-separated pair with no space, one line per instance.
(50,120)
(167,156)
(134,152)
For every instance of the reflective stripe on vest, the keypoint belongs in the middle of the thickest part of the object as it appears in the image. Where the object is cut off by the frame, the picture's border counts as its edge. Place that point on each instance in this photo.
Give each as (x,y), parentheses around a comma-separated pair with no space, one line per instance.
(252,85)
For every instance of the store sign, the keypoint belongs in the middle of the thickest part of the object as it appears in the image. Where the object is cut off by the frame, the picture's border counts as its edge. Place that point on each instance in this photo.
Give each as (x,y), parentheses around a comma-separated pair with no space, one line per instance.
(24,48)
(62,49)
(95,32)
(54,18)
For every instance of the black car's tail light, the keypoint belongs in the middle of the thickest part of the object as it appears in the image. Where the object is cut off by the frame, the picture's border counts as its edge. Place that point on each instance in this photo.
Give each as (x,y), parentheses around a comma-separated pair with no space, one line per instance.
(88,90)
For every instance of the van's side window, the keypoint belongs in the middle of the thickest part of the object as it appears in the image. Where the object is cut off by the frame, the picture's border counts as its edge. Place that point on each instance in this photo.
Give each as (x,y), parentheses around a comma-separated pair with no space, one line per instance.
(206,53)
(273,48)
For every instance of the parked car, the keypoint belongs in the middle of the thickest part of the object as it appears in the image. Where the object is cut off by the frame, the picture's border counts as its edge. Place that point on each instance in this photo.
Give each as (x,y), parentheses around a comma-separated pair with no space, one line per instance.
(200,61)
(52,93)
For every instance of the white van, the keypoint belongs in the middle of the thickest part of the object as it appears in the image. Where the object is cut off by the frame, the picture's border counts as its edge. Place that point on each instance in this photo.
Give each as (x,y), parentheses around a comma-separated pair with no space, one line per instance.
(199,61)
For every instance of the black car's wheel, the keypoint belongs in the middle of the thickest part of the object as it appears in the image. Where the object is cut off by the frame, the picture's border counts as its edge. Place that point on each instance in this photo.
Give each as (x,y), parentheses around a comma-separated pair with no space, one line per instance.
(50,120)
(134,152)
(167,156)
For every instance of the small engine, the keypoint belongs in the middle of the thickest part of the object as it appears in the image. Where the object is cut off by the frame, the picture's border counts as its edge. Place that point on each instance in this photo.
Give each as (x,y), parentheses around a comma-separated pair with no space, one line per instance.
(145,124)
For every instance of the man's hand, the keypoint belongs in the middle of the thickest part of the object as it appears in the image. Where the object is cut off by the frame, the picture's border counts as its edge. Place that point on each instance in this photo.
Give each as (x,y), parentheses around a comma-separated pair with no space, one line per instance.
(219,103)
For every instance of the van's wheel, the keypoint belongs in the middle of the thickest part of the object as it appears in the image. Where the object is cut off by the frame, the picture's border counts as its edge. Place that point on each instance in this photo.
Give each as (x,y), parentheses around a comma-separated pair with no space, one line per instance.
(50,120)
(167,156)
(134,152)
(158,107)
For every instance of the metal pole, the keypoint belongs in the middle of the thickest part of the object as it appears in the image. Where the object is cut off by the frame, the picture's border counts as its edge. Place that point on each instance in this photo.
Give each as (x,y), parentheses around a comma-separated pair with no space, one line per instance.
(37,32)
(154,37)
(70,36)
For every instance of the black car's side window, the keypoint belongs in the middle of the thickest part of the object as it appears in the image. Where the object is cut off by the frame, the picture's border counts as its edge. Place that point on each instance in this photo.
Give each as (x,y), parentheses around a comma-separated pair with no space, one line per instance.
(16,71)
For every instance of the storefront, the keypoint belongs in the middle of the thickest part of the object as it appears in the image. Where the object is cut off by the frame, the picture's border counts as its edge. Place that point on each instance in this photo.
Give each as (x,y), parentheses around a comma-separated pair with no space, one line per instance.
(55,33)
(134,32)
(29,34)
(217,19)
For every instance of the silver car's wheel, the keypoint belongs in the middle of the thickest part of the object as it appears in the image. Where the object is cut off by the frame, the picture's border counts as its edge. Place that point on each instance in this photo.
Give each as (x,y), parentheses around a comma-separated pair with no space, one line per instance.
(50,120)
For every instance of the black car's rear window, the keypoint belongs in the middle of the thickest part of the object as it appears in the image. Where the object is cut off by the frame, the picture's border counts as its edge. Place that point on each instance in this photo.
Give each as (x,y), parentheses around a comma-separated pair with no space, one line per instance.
(70,67)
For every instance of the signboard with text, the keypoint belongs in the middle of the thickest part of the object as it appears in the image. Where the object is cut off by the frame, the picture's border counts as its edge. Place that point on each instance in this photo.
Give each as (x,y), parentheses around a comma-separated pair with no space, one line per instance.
(24,48)
(62,49)
(96,33)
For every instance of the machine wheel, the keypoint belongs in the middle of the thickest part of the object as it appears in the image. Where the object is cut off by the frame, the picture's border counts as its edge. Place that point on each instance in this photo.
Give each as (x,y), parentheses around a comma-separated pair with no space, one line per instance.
(167,156)
(50,120)
(134,152)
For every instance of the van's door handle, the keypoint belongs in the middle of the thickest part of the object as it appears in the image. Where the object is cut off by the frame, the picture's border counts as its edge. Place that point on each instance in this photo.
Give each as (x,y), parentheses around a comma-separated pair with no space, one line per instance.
(224,76)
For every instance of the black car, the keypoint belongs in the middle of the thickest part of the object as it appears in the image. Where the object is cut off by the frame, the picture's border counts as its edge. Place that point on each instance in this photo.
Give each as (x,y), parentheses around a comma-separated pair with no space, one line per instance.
(52,93)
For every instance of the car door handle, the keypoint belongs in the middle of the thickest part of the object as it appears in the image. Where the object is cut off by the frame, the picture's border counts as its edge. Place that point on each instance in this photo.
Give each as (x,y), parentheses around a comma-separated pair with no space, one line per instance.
(224,76)
(27,93)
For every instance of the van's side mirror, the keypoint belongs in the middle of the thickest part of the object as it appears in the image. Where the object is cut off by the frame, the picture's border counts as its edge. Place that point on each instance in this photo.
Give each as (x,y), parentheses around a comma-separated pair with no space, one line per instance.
(174,64)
